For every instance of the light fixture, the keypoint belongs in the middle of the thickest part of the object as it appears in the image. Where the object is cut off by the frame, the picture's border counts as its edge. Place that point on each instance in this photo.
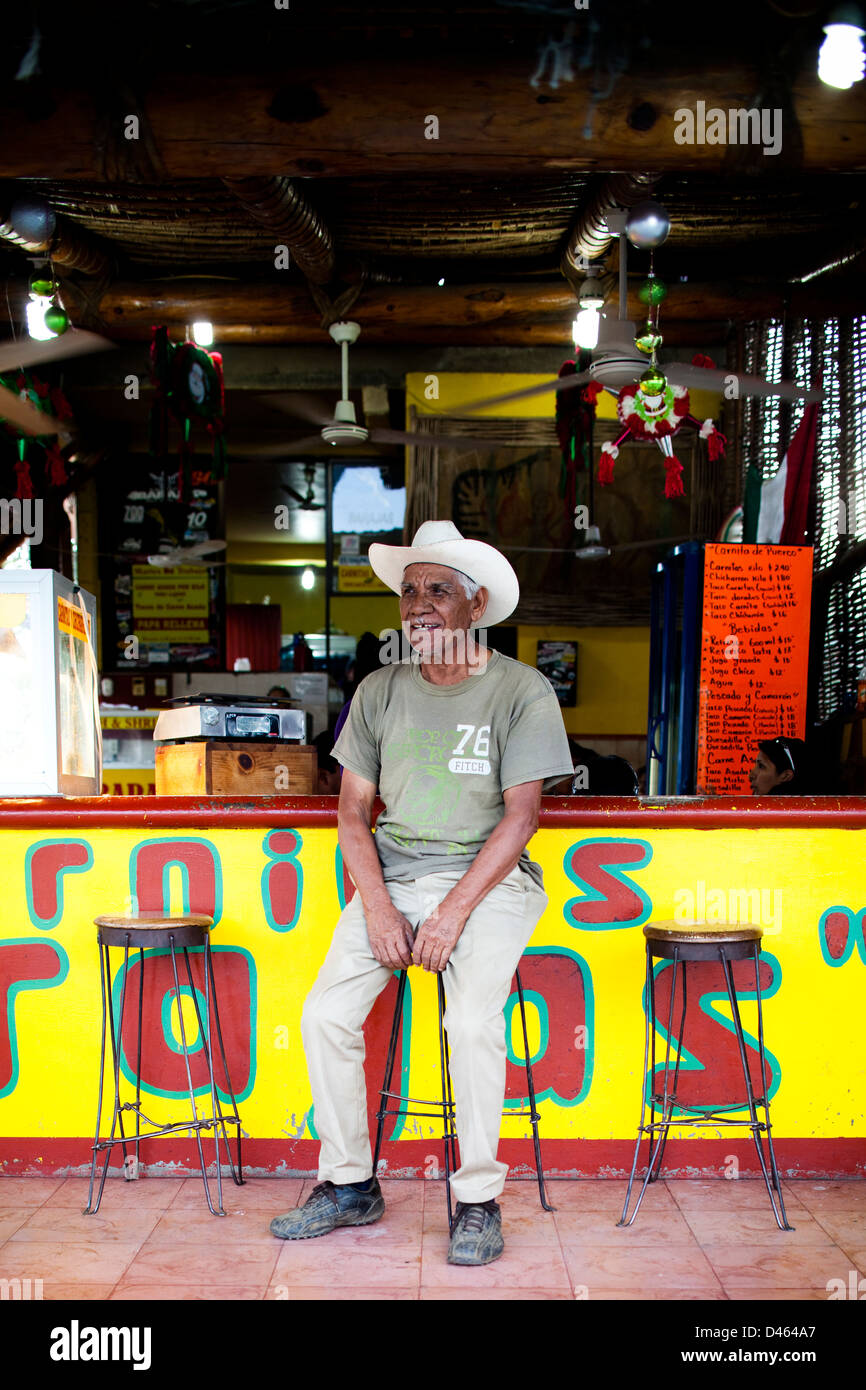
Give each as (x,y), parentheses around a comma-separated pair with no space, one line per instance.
(590,294)
(203,333)
(590,299)
(591,548)
(308,578)
(46,317)
(37,305)
(841,58)
(441,281)
(585,328)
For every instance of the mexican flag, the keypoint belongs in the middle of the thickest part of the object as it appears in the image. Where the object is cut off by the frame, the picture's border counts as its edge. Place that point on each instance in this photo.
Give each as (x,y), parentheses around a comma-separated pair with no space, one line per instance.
(775,509)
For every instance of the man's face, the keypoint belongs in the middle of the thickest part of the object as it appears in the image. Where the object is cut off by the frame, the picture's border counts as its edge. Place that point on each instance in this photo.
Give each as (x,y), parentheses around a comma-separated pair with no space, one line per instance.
(764,776)
(433,603)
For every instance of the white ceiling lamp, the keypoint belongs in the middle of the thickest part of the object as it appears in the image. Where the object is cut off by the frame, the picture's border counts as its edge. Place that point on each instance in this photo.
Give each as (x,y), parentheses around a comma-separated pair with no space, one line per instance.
(591,547)
(590,300)
(308,579)
(203,333)
(36,325)
(841,59)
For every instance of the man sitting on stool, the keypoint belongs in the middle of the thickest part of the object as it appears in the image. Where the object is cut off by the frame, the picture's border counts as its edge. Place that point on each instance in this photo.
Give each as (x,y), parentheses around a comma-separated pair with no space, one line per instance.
(458,743)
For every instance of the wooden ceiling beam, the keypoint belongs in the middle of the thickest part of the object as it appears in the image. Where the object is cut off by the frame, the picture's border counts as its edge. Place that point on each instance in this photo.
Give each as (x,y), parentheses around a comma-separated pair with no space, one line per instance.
(344,118)
(273,313)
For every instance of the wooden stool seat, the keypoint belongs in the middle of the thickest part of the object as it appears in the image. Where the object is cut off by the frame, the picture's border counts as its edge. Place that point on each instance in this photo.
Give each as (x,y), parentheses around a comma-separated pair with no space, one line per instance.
(153,929)
(674,940)
(685,935)
(156,919)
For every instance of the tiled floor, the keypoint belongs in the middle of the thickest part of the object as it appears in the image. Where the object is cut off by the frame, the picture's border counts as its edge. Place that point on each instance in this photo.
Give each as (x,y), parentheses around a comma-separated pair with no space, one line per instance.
(155,1239)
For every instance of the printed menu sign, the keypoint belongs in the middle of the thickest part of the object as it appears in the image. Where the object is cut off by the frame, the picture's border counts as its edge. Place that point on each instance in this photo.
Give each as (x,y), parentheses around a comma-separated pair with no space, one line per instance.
(170,604)
(754,657)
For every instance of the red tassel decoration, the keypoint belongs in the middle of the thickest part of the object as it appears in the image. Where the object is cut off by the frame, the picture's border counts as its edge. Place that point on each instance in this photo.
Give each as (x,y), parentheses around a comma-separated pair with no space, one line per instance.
(56,468)
(22,473)
(716,444)
(609,453)
(674,478)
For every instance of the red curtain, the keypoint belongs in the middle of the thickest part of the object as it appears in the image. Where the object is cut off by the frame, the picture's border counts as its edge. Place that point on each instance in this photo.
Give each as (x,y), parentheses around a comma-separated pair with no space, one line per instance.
(253,630)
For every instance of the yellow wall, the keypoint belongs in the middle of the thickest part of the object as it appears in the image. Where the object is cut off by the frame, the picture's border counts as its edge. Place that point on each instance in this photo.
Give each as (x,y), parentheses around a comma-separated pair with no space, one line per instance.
(612,675)
(456,389)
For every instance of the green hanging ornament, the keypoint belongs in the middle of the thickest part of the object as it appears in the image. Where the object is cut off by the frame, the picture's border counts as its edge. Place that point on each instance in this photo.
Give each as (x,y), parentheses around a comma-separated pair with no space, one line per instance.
(56,319)
(652,291)
(41,287)
(649,340)
(653,381)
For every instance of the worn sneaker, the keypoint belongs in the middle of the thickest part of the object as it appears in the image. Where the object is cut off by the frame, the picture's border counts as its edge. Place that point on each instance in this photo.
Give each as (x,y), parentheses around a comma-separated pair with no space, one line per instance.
(477,1235)
(327,1207)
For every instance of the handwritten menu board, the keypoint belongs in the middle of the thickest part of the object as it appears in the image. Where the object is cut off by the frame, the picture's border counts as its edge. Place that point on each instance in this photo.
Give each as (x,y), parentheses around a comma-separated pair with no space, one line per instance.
(754,657)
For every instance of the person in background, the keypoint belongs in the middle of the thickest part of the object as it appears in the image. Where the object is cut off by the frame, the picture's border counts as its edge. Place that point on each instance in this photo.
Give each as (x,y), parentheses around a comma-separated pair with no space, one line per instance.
(278,692)
(781,768)
(329,768)
(367,659)
(597,774)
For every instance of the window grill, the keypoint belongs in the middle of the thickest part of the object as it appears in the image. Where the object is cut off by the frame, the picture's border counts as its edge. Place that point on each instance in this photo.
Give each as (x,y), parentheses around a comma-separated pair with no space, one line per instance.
(835,349)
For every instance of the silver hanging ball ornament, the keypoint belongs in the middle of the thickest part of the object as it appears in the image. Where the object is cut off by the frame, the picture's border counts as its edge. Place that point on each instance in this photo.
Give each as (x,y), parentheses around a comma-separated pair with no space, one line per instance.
(33,220)
(647,225)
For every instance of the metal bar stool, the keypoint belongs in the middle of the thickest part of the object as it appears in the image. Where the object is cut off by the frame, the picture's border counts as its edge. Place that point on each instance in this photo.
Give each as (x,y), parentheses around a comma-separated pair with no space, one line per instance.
(680,944)
(150,930)
(445,1106)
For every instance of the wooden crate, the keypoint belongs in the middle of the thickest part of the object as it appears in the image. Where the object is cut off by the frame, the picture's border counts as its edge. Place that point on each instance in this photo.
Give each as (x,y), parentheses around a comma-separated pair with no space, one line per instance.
(216,767)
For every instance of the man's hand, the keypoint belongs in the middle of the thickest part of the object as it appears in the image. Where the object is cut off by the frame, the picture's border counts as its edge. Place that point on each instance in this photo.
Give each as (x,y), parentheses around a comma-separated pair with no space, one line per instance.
(390,937)
(437,937)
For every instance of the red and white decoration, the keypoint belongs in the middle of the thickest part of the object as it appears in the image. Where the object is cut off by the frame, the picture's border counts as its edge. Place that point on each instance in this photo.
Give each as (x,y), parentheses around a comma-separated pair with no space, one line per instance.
(660,418)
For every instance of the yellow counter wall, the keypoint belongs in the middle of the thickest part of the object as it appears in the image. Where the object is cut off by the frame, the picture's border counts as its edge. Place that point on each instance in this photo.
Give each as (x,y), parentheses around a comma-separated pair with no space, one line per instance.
(274,887)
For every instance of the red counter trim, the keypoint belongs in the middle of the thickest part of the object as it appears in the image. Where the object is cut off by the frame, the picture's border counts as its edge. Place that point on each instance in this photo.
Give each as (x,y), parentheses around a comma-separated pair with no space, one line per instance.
(557,812)
(562,1158)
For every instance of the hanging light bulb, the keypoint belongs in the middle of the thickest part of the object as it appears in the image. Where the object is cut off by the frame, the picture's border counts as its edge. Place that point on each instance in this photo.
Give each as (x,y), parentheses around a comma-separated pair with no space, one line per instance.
(841,58)
(203,333)
(308,579)
(584,330)
(37,305)
(592,546)
(590,300)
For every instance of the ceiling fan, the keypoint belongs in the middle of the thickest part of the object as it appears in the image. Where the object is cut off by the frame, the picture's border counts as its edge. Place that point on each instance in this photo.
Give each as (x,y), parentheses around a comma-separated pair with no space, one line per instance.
(28,352)
(342,427)
(195,554)
(307,503)
(617,362)
(593,548)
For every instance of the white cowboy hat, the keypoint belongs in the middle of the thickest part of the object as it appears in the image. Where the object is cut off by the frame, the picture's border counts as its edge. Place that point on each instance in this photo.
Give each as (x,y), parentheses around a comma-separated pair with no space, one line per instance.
(440,543)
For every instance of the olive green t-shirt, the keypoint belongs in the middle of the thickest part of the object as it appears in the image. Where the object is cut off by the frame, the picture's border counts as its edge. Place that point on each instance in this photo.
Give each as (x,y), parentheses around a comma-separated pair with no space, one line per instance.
(442,755)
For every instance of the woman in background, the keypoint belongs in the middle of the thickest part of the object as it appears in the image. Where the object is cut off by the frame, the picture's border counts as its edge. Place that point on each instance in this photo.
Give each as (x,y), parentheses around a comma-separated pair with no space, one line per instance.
(367,660)
(781,768)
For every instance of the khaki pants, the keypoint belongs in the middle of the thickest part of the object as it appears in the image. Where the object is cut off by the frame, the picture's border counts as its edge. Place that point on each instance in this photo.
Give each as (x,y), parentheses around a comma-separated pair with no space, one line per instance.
(477,984)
